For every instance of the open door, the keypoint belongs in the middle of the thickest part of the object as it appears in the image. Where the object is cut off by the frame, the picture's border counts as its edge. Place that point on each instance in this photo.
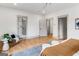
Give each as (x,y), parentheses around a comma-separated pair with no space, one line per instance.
(49,24)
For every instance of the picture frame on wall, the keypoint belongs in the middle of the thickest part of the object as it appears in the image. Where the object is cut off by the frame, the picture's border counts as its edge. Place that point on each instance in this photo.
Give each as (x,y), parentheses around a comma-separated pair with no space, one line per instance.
(77,23)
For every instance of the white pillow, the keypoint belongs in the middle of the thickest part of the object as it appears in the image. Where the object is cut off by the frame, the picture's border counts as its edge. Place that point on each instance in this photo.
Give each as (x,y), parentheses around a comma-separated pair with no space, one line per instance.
(45,46)
(54,42)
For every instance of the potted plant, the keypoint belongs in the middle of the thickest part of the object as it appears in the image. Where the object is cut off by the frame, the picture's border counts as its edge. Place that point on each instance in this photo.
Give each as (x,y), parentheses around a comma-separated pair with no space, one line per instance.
(6,38)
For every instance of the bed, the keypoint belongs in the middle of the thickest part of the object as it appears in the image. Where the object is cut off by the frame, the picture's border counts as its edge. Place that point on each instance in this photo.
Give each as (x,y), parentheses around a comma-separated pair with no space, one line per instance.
(64,48)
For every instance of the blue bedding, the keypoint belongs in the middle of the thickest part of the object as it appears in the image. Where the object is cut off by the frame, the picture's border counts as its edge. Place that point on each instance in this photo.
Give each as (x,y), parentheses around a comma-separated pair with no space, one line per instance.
(33,51)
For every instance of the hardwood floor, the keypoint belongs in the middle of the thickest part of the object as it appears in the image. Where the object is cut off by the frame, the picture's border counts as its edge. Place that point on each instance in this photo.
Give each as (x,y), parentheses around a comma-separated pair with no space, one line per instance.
(27,43)
(1,45)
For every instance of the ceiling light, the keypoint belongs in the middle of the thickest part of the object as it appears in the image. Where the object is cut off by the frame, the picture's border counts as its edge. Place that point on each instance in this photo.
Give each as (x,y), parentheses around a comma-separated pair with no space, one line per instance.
(45,5)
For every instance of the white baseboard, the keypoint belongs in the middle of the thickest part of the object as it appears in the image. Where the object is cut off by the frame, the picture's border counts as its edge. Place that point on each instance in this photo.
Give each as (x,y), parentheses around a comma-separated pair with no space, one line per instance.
(29,37)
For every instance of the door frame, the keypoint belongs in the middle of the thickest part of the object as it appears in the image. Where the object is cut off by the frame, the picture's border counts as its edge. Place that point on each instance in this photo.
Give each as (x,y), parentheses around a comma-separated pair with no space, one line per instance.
(49,30)
(58,24)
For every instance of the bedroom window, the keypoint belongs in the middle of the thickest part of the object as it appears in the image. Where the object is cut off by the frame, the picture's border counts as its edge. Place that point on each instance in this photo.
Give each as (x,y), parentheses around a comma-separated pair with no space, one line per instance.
(22,26)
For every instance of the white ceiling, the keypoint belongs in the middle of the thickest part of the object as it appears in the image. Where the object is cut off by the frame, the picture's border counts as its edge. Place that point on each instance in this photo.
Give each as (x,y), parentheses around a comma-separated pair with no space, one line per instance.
(38,7)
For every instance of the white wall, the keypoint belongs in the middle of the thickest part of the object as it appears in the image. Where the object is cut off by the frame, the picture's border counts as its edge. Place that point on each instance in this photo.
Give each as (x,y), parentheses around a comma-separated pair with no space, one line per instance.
(8,21)
(72,14)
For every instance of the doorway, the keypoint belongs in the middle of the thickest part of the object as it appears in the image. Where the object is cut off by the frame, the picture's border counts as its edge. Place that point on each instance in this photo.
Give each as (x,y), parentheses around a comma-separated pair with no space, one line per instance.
(49,24)
(46,27)
(62,27)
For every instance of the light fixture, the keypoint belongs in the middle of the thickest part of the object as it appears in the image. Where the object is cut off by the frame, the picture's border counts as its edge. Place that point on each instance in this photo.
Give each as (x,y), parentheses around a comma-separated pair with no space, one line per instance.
(44,10)
(44,7)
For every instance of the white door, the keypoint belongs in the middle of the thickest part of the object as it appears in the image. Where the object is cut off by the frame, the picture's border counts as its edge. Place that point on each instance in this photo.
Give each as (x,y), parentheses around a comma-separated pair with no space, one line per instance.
(42,28)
